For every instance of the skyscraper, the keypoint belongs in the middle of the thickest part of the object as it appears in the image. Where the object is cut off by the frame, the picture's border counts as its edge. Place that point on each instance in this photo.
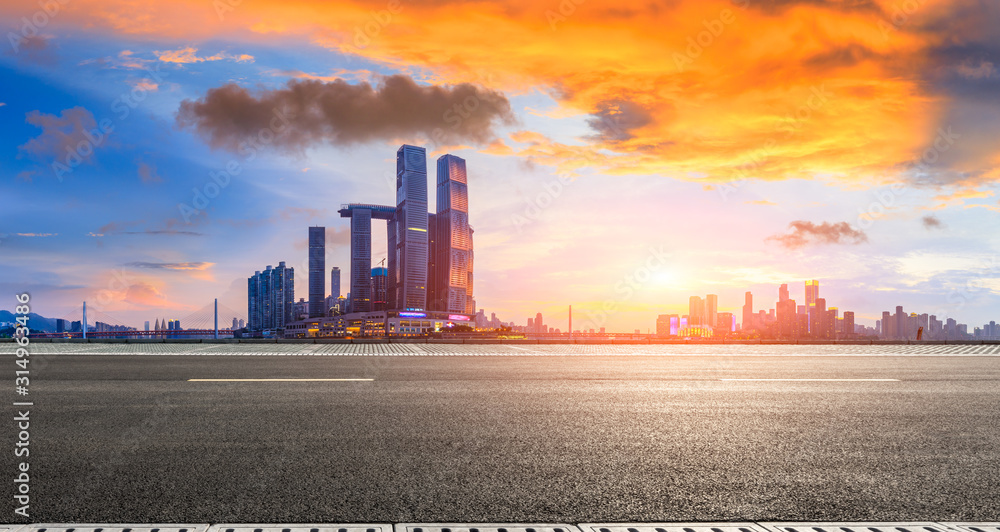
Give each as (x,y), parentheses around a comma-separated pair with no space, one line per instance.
(361,260)
(452,261)
(848,330)
(317,272)
(335,282)
(270,298)
(748,317)
(812,292)
(408,270)
(380,277)
(818,318)
(696,311)
(712,311)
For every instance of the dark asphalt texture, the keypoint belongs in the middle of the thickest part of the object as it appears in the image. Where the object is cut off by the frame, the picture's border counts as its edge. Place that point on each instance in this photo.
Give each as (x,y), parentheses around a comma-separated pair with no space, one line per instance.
(511,439)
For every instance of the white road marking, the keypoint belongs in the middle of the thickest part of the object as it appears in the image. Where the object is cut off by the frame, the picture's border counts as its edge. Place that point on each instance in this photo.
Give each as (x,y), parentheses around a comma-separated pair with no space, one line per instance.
(277,380)
(812,380)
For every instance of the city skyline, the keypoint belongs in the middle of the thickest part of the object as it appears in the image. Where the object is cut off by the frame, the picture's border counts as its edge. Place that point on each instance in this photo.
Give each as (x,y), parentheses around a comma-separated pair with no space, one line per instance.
(153,165)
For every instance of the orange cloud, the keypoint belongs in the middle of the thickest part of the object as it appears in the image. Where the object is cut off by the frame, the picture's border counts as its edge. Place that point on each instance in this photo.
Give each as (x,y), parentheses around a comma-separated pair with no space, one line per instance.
(727,90)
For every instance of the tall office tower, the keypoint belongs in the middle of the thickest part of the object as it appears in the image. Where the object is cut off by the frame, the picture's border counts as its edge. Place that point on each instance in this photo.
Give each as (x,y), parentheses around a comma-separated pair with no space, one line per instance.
(380,277)
(901,324)
(335,282)
(848,328)
(470,302)
(817,318)
(452,271)
(434,302)
(361,260)
(157,326)
(951,329)
(888,325)
(696,311)
(235,324)
(812,294)
(531,326)
(317,272)
(147,326)
(242,323)
(787,318)
(712,311)
(783,292)
(726,320)
(748,312)
(539,325)
(410,235)
(271,298)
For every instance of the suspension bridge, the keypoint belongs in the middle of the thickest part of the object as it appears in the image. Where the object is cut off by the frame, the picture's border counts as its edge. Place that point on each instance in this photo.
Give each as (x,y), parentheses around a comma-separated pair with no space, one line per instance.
(214,320)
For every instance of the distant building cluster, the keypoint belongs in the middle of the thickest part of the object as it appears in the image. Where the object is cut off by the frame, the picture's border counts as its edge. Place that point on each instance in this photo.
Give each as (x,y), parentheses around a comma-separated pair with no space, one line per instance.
(787,320)
(903,326)
(425,286)
(811,320)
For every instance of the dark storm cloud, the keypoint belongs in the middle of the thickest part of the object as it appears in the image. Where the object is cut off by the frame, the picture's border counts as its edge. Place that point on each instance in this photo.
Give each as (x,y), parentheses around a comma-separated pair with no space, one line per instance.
(616,119)
(804,233)
(311,112)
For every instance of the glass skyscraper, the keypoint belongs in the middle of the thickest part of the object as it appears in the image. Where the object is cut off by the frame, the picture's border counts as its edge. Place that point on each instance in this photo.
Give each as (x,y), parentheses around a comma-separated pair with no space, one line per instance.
(408,240)
(317,272)
(452,260)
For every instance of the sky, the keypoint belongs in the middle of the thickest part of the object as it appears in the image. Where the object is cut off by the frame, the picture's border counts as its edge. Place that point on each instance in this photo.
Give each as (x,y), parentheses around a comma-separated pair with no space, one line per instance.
(621,156)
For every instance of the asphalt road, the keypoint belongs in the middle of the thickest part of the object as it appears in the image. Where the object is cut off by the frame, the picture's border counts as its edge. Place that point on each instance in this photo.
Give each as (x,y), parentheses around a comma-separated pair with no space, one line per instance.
(512,439)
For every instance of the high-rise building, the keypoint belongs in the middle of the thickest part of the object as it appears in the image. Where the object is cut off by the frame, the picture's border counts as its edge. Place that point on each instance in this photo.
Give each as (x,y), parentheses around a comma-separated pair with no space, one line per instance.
(452,259)
(361,260)
(335,282)
(147,326)
(812,294)
(726,321)
(408,261)
(696,311)
(270,298)
(539,324)
(848,329)
(783,293)
(748,316)
(901,324)
(818,318)
(787,317)
(380,277)
(317,272)
(235,324)
(712,310)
